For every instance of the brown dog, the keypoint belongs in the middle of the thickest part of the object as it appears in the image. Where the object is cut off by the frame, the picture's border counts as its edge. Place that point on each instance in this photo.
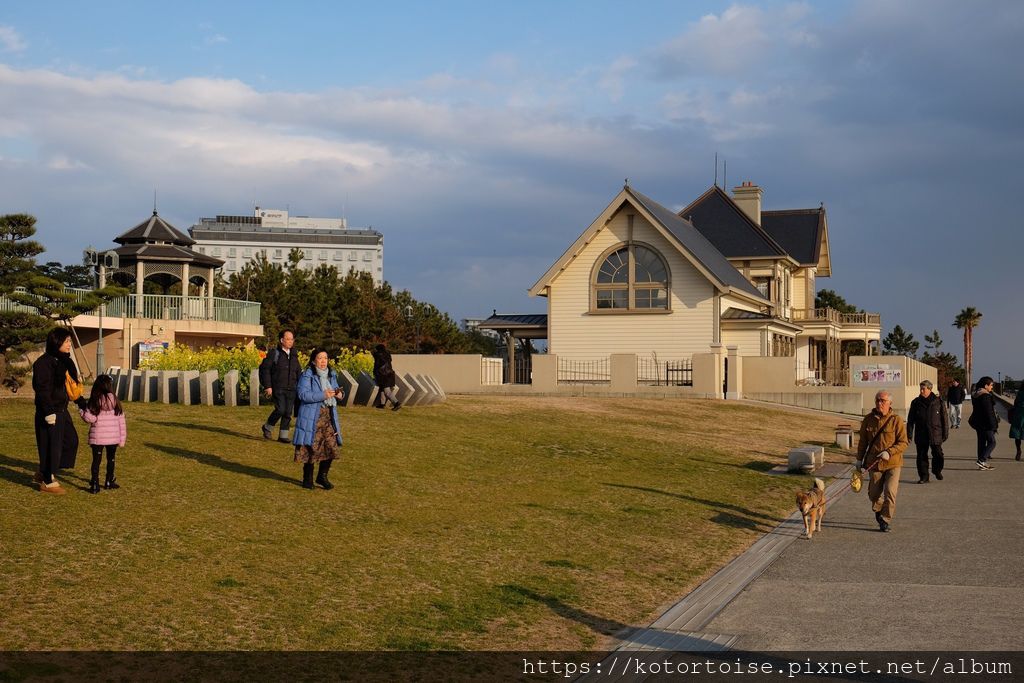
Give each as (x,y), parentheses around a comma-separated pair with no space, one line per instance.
(811,504)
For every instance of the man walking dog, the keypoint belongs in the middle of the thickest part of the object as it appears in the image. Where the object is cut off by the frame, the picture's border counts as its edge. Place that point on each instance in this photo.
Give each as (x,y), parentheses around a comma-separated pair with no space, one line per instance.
(279,373)
(883,438)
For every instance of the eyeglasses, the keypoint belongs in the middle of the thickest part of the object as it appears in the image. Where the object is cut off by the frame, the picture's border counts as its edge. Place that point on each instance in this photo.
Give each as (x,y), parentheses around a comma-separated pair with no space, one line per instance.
(883,400)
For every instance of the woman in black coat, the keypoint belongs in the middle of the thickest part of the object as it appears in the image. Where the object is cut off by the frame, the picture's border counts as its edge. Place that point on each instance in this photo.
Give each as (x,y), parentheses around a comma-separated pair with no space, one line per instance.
(56,436)
(984,421)
(384,376)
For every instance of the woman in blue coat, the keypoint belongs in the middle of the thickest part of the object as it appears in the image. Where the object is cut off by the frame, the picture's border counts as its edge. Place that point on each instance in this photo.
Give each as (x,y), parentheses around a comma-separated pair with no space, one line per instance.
(317,428)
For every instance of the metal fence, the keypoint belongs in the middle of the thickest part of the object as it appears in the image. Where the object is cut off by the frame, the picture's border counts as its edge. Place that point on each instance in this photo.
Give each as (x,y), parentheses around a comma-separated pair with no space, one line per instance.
(653,371)
(584,371)
(807,376)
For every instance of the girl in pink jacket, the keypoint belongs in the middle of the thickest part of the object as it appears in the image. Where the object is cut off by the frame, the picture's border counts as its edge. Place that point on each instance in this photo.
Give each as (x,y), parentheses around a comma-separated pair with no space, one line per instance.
(106,429)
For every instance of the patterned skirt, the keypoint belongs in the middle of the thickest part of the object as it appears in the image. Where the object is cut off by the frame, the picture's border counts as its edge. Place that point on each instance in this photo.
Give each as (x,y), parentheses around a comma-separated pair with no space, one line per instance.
(325,442)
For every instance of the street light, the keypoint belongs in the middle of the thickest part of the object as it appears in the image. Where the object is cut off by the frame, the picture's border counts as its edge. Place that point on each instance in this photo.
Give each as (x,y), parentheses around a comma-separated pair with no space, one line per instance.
(416,327)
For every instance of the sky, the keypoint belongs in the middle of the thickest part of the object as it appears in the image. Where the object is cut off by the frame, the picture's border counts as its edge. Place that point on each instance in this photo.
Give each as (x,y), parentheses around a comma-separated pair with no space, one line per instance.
(482,138)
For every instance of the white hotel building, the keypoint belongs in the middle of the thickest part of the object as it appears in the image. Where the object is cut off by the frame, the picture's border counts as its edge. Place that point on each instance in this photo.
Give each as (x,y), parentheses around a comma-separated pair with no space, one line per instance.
(323,241)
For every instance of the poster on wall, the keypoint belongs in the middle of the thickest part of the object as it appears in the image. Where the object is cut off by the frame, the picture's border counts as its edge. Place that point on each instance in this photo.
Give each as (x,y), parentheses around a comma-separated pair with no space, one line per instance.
(876,375)
(150,347)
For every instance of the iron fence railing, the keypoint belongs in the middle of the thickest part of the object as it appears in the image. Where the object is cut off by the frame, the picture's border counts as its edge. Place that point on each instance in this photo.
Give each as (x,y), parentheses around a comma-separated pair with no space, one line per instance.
(654,371)
(584,371)
(165,307)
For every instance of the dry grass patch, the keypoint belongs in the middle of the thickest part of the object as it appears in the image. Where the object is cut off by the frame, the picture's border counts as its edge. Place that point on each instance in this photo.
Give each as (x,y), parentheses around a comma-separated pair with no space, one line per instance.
(485,522)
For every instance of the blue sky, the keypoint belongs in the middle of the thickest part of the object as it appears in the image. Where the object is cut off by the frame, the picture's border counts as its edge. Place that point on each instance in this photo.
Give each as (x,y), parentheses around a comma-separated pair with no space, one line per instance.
(482,138)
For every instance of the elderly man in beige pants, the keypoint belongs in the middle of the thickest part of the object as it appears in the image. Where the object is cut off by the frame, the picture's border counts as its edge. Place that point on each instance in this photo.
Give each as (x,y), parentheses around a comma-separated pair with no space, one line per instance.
(883,438)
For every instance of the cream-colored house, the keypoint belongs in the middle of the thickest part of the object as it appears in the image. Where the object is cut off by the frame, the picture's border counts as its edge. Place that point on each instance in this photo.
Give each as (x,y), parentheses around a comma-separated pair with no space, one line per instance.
(645,280)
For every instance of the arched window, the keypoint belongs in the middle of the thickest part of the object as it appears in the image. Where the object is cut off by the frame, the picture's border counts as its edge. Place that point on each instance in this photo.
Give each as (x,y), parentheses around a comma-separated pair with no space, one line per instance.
(631,277)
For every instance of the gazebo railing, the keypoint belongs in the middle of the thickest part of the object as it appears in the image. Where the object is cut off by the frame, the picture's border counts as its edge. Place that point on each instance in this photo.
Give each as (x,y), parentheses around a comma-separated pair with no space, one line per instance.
(174,307)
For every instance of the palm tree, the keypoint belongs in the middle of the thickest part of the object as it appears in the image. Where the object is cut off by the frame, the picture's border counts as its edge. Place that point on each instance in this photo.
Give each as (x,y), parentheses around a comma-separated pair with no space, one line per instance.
(967,320)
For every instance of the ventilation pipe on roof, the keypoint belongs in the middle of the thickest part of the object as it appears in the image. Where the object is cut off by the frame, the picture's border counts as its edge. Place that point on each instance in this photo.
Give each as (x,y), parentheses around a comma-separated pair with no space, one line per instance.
(747,196)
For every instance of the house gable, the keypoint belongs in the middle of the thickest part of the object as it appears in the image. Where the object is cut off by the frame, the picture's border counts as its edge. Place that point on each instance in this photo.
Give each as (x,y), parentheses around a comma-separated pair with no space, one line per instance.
(804,234)
(681,236)
(730,229)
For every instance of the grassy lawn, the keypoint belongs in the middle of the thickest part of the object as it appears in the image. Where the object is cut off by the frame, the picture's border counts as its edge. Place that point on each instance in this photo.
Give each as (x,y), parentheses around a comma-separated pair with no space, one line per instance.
(482,523)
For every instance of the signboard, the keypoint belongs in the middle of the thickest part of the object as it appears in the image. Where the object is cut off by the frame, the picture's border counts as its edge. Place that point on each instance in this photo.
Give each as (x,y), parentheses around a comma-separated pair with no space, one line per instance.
(876,374)
(151,347)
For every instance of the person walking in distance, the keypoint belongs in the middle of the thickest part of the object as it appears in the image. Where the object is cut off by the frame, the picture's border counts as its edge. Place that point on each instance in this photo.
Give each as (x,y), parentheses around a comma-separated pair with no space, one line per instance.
(279,373)
(384,376)
(955,396)
(1017,420)
(984,421)
(107,430)
(882,440)
(928,426)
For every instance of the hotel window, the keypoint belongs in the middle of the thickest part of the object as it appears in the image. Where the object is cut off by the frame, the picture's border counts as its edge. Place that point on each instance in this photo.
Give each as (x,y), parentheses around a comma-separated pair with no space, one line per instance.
(231,265)
(216,251)
(231,252)
(247,253)
(278,254)
(337,256)
(631,277)
(352,256)
(323,255)
(367,256)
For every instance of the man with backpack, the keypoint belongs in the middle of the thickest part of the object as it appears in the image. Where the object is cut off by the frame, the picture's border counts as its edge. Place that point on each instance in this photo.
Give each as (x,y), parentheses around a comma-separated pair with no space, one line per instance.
(279,373)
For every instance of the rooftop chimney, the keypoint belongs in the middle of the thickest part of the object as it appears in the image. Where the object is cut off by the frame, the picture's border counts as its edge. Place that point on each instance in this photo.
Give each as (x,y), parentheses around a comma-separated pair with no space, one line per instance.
(748,197)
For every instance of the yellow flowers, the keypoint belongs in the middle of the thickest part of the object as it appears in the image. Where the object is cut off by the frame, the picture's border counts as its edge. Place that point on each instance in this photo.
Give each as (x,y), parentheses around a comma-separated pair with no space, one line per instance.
(219,358)
(352,359)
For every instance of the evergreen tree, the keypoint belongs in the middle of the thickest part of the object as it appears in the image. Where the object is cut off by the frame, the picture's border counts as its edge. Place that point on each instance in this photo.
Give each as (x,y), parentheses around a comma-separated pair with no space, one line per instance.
(826,298)
(900,343)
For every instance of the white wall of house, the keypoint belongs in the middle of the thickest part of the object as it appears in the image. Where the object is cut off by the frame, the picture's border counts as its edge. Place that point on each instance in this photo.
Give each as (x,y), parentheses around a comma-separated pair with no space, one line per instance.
(747,341)
(577,334)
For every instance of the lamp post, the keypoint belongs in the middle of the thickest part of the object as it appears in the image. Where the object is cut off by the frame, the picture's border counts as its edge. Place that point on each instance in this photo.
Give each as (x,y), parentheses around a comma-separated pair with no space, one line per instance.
(416,328)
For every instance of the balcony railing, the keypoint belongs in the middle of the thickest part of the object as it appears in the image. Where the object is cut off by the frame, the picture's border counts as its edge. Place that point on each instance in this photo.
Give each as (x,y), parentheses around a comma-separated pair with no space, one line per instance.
(833,316)
(167,307)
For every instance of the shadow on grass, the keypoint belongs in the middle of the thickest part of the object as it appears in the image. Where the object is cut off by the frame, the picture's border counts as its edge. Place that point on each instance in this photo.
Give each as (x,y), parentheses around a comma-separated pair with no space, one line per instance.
(18,471)
(206,428)
(219,462)
(592,621)
(727,514)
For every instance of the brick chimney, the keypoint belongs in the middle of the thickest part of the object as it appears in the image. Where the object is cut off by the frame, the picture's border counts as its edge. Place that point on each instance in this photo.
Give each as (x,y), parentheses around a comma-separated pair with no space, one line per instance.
(748,197)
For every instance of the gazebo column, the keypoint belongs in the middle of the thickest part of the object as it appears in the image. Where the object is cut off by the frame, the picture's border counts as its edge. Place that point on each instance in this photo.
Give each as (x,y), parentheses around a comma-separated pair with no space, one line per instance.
(138,289)
(209,294)
(184,292)
(510,343)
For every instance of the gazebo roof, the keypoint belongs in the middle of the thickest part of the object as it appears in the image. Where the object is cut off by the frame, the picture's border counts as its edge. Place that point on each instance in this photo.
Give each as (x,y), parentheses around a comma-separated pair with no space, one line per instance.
(155,229)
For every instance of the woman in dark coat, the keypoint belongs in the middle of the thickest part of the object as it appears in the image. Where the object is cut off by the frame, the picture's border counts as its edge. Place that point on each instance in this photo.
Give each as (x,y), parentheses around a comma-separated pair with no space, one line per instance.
(384,376)
(984,421)
(317,428)
(56,437)
(1017,420)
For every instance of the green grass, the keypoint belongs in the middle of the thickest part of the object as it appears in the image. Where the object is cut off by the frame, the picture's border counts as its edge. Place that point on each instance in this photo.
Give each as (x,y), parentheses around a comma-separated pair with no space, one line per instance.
(482,523)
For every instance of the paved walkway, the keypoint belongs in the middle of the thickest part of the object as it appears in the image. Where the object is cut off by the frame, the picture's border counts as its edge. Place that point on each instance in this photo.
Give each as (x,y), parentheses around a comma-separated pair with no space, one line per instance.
(948,576)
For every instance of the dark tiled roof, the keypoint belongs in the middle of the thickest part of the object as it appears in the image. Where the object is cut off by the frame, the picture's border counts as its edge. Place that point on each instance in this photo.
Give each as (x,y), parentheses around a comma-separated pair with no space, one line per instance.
(727,227)
(154,228)
(511,320)
(698,245)
(799,231)
(132,253)
(737,314)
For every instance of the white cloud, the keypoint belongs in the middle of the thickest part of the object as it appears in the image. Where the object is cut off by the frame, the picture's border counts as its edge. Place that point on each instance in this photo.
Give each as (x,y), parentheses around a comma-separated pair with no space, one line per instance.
(215,39)
(10,40)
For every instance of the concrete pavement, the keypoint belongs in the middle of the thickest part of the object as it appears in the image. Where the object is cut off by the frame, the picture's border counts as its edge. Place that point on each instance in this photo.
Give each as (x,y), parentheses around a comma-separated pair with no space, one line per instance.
(948,576)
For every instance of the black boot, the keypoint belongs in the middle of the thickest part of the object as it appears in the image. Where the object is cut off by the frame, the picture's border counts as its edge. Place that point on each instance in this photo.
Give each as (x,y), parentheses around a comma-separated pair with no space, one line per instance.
(307,475)
(321,475)
(110,483)
(94,483)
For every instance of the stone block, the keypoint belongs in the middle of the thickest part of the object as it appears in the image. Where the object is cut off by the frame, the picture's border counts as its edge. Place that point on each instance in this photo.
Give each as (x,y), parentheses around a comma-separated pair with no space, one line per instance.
(428,388)
(350,386)
(167,386)
(231,388)
(208,387)
(844,439)
(254,387)
(804,459)
(437,387)
(121,384)
(134,385)
(149,386)
(406,392)
(366,393)
(421,397)
(188,387)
